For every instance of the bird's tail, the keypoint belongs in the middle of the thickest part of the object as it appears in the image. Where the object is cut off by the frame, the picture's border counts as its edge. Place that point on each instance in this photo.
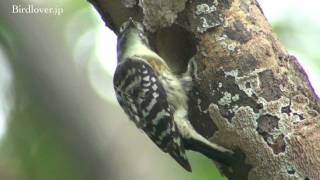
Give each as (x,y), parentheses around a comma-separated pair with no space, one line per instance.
(211,150)
(179,155)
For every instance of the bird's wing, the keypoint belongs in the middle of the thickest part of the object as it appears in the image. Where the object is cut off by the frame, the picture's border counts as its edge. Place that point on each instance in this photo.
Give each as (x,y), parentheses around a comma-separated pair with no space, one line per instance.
(144,100)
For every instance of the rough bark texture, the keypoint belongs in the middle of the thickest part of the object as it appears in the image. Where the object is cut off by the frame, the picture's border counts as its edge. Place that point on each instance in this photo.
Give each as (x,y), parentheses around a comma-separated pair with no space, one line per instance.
(249,95)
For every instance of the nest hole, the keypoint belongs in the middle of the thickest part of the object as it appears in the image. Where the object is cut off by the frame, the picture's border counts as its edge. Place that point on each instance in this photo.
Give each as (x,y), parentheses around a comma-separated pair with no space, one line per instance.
(176,46)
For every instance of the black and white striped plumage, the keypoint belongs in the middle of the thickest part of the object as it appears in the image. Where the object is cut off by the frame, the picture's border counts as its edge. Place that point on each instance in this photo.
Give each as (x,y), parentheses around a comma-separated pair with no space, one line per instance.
(144,99)
(154,99)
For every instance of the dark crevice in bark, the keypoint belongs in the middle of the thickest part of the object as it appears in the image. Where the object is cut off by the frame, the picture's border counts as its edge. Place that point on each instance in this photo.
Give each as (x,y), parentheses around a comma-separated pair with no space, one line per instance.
(291,170)
(176,46)
(267,126)
(248,63)
(286,110)
(270,86)
(238,32)
(278,145)
(199,115)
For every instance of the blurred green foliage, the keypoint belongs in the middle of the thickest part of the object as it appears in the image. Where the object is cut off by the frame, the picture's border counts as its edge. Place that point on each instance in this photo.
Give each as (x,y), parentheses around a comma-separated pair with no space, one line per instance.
(37,151)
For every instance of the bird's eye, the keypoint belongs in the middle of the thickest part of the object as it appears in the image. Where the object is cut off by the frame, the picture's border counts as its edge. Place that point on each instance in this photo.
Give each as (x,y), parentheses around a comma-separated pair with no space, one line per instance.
(124,26)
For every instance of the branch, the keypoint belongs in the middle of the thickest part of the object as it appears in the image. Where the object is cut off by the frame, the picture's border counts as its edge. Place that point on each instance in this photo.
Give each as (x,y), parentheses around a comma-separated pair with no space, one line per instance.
(113,13)
(249,95)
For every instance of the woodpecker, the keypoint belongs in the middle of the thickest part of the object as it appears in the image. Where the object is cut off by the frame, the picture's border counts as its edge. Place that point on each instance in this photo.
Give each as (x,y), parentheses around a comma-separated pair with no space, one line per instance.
(156,100)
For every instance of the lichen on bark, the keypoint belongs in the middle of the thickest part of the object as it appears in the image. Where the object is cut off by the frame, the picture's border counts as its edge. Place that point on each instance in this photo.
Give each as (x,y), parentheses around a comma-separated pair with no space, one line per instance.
(249,94)
(160,13)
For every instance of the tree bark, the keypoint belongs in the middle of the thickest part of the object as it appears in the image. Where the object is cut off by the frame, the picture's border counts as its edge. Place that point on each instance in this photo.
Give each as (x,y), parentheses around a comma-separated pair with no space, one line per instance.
(249,94)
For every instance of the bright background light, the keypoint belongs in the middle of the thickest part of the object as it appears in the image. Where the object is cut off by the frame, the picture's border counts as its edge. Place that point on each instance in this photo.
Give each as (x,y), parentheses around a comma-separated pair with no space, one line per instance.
(275,10)
(104,61)
(5,93)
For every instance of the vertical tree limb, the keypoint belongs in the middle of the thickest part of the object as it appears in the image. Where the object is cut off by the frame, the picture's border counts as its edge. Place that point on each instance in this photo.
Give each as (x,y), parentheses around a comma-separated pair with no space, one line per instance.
(250,95)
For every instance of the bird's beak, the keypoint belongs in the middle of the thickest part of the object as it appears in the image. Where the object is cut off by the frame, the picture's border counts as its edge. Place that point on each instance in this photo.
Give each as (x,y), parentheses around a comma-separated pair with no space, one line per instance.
(129,24)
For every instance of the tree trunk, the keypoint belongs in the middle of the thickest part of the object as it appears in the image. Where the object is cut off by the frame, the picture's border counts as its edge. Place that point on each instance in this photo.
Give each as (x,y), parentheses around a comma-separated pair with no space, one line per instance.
(250,95)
